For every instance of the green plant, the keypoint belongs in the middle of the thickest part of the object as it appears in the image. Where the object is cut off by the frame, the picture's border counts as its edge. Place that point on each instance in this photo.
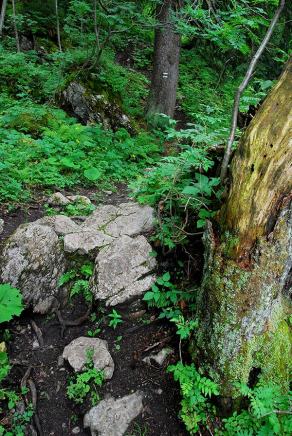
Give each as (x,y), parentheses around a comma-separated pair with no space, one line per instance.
(10,302)
(196,391)
(115,319)
(184,193)
(269,412)
(118,342)
(78,281)
(184,326)
(165,295)
(86,383)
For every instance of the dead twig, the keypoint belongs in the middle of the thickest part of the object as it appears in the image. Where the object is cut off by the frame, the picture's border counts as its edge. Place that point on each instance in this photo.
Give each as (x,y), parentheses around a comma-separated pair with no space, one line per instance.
(69,323)
(162,342)
(242,87)
(38,332)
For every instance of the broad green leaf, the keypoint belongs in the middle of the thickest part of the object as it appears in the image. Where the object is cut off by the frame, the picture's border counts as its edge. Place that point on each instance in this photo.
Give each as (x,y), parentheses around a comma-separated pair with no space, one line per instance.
(92,174)
(10,302)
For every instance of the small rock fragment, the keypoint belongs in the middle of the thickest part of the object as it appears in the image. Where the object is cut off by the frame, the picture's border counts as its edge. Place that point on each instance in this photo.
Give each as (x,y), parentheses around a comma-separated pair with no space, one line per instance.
(159,357)
(77,355)
(112,417)
(76,430)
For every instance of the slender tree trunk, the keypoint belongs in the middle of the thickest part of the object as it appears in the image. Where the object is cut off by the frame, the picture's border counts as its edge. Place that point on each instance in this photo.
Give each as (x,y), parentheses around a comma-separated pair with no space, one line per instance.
(15,26)
(162,96)
(2,16)
(58,25)
(244,301)
(96,31)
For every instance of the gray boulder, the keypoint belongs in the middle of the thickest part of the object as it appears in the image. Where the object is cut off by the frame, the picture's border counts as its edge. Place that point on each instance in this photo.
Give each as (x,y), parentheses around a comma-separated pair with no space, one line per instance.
(123,270)
(77,355)
(112,417)
(33,261)
(1,225)
(94,108)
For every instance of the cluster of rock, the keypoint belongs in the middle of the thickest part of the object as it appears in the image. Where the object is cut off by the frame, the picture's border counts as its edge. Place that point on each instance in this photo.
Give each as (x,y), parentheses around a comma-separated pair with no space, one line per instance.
(111,416)
(38,253)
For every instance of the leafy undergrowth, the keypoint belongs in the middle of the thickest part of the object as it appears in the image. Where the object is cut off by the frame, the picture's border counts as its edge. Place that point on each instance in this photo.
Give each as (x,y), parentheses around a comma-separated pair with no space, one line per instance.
(41,147)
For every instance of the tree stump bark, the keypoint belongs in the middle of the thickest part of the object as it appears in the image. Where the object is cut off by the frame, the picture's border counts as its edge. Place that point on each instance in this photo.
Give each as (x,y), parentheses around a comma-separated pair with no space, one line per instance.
(244,303)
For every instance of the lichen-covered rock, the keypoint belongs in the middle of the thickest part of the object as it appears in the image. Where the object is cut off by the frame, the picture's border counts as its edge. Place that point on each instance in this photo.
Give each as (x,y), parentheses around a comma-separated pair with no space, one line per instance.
(85,241)
(112,417)
(1,225)
(123,270)
(61,224)
(58,199)
(33,261)
(94,108)
(132,219)
(79,199)
(77,355)
(126,219)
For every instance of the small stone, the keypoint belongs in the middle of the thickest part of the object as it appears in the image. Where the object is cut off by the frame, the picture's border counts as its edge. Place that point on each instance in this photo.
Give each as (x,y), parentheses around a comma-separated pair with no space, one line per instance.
(112,417)
(159,357)
(35,344)
(76,430)
(108,192)
(60,361)
(77,351)
(58,199)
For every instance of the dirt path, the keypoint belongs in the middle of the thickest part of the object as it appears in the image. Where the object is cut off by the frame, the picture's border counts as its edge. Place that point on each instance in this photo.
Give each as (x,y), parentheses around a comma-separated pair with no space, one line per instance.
(139,335)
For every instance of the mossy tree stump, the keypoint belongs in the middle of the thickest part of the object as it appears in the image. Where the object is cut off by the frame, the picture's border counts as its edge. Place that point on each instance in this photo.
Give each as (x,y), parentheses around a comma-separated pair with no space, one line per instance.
(245,299)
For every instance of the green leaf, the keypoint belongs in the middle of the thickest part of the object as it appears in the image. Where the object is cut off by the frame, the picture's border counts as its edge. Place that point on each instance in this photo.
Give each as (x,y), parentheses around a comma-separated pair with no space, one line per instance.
(166,277)
(10,302)
(92,174)
(201,223)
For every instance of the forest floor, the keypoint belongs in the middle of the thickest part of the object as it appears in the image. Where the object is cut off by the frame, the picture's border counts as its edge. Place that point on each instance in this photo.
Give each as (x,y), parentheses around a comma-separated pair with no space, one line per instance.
(139,335)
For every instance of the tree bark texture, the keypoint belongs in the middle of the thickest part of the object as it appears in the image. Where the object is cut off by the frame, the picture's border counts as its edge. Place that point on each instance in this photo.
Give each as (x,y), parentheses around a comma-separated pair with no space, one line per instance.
(164,81)
(2,15)
(15,26)
(245,298)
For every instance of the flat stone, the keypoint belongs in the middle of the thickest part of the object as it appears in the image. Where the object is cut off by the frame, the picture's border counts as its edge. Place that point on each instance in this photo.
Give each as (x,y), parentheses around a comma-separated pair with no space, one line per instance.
(112,417)
(61,224)
(58,199)
(132,219)
(76,354)
(101,216)
(33,261)
(123,270)
(84,242)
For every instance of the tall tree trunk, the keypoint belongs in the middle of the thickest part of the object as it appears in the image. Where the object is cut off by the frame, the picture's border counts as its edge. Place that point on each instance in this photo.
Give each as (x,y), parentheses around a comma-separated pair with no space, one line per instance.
(15,26)
(58,25)
(2,16)
(162,96)
(244,302)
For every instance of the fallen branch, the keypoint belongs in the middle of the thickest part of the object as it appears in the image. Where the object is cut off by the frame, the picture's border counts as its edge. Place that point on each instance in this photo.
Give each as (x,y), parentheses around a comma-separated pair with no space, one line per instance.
(242,87)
